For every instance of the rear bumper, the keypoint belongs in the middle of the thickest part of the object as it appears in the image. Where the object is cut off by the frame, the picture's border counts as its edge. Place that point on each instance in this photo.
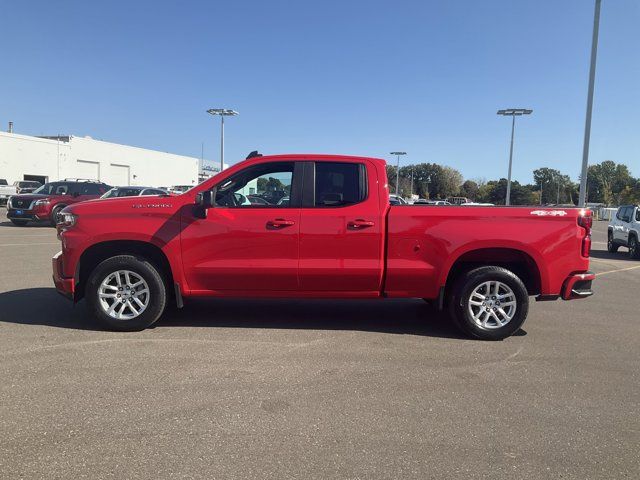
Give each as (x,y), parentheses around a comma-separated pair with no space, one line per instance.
(64,286)
(578,286)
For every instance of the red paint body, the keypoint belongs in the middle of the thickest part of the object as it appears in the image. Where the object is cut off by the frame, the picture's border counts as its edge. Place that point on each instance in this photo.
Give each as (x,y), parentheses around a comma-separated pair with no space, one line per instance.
(365,250)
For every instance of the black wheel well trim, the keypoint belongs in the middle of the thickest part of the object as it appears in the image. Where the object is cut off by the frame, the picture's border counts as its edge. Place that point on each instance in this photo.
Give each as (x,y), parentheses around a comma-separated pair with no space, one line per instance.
(98,252)
(519,262)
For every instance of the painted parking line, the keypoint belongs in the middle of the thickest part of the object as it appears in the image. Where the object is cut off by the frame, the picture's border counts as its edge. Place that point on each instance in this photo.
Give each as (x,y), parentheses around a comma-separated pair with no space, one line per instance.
(618,270)
(27,244)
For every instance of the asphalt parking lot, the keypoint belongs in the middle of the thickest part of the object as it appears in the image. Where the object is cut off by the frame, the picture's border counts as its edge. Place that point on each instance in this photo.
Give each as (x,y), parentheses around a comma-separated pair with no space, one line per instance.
(318,389)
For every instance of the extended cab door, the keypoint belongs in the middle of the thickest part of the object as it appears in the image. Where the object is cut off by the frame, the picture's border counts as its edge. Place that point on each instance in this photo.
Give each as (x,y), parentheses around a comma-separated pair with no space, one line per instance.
(341,228)
(249,239)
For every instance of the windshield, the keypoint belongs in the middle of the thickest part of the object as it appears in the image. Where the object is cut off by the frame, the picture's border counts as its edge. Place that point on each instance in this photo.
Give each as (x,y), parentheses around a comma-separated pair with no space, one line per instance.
(48,188)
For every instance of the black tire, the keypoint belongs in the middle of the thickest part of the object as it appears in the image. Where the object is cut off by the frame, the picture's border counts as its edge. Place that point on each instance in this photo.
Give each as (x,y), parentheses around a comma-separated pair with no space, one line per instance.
(19,223)
(144,269)
(634,248)
(611,246)
(54,214)
(461,296)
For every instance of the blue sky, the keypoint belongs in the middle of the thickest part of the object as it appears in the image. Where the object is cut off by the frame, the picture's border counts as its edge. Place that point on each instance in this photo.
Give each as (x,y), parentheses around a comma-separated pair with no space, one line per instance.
(353,77)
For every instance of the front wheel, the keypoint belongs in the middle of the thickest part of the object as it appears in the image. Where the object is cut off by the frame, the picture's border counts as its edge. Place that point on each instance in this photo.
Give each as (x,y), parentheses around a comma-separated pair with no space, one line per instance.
(126,293)
(490,303)
(611,245)
(55,213)
(634,248)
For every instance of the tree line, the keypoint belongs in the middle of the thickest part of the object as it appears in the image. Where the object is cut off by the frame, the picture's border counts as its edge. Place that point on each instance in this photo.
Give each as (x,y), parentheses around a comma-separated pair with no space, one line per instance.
(608,183)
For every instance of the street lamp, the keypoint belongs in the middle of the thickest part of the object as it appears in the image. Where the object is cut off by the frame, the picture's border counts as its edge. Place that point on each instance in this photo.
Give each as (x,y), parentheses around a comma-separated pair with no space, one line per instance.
(513,113)
(397,154)
(223,112)
(587,124)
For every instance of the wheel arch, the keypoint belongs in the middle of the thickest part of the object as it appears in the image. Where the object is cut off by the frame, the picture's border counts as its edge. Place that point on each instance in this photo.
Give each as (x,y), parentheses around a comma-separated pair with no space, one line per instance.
(517,261)
(99,252)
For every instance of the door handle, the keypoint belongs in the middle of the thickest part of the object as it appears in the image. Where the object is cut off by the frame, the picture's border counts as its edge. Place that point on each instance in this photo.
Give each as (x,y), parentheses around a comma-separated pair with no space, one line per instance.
(280,223)
(359,224)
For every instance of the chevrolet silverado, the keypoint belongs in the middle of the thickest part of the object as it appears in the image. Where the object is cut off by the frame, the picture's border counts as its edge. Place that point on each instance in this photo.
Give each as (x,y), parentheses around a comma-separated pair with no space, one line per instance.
(336,236)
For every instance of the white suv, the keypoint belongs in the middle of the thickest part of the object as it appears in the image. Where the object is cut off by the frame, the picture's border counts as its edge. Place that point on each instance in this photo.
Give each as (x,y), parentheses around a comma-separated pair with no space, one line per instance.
(624,230)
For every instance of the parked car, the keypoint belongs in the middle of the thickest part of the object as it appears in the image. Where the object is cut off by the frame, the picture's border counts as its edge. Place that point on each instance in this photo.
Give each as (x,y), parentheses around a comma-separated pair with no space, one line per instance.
(257,200)
(26,186)
(178,189)
(397,200)
(624,231)
(6,191)
(46,202)
(336,237)
(133,192)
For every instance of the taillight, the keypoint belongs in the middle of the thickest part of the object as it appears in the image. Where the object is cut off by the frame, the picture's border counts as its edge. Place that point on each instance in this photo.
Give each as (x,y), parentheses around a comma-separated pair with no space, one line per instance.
(585,220)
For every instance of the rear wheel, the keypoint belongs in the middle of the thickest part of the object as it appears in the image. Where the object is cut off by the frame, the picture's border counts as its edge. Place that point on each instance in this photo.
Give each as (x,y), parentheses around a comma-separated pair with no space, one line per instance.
(490,303)
(611,246)
(634,248)
(19,223)
(126,293)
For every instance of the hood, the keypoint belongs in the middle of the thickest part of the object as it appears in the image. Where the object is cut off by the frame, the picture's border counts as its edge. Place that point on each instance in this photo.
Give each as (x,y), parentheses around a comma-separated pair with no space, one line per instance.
(126,205)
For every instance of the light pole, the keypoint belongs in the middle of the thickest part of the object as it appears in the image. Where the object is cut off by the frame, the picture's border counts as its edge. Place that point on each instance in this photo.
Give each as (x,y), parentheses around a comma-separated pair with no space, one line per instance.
(587,123)
(223,112)
(411,191)
(397,154)
(540,191)
(513,112)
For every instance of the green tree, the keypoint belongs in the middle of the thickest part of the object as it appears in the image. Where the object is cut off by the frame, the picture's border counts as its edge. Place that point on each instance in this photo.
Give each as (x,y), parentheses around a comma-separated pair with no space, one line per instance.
(520,194)
(607,181)
(470,189)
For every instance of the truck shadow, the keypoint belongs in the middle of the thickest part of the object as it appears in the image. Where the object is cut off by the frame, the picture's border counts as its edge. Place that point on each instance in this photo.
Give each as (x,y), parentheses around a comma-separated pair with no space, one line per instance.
(44,306)
(621,254)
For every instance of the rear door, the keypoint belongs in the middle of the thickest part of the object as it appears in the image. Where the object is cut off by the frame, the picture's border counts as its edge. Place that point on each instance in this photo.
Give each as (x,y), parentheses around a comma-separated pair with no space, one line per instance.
(341,228)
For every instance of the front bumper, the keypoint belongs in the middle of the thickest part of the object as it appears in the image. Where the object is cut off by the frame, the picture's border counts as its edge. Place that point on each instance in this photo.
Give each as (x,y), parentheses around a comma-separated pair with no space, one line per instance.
(64,286)
(578,286)
(26,214)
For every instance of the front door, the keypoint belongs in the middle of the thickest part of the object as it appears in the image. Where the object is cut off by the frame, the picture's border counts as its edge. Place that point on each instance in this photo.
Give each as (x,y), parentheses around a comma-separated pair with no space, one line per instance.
(341,229)
(249,239)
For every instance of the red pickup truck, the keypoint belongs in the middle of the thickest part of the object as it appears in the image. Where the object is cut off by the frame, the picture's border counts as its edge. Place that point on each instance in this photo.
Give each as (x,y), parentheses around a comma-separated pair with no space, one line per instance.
(324,230)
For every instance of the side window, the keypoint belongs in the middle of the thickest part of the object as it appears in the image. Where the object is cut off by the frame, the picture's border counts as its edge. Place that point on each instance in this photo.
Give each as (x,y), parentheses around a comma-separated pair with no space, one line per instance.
(626,214)
(339,184)
(262,186)
(638,214)
(61,189)
(89,189)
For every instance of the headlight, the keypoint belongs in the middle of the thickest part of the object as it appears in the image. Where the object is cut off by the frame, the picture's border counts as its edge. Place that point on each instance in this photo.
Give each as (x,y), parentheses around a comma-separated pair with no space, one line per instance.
(66,220)
(44,201)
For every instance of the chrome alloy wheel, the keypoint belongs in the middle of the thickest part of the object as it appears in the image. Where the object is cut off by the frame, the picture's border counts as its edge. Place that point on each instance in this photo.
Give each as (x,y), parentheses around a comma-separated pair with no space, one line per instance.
(123,295)
(492,304)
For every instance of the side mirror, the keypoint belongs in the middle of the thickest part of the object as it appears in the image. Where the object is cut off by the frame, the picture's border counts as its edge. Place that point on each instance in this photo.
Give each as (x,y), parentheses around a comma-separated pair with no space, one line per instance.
(204,201)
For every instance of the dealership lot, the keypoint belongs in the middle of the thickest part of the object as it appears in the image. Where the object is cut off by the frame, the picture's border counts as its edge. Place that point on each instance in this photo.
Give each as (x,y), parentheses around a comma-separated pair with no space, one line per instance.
(317,389)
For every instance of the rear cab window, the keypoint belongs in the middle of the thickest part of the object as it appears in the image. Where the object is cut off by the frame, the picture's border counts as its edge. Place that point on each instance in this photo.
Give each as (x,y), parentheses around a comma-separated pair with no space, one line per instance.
(339,184)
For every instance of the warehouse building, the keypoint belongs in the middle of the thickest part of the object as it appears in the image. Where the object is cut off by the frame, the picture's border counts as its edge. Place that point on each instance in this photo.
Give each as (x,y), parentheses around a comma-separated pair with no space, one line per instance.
(45,159)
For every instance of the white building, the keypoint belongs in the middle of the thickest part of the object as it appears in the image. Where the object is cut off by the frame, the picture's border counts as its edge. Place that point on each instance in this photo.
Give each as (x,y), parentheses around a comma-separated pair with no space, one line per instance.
(24,157)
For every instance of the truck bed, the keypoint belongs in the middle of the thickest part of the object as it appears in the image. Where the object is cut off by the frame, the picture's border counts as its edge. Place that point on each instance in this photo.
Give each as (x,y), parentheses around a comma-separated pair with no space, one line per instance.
(425,243)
